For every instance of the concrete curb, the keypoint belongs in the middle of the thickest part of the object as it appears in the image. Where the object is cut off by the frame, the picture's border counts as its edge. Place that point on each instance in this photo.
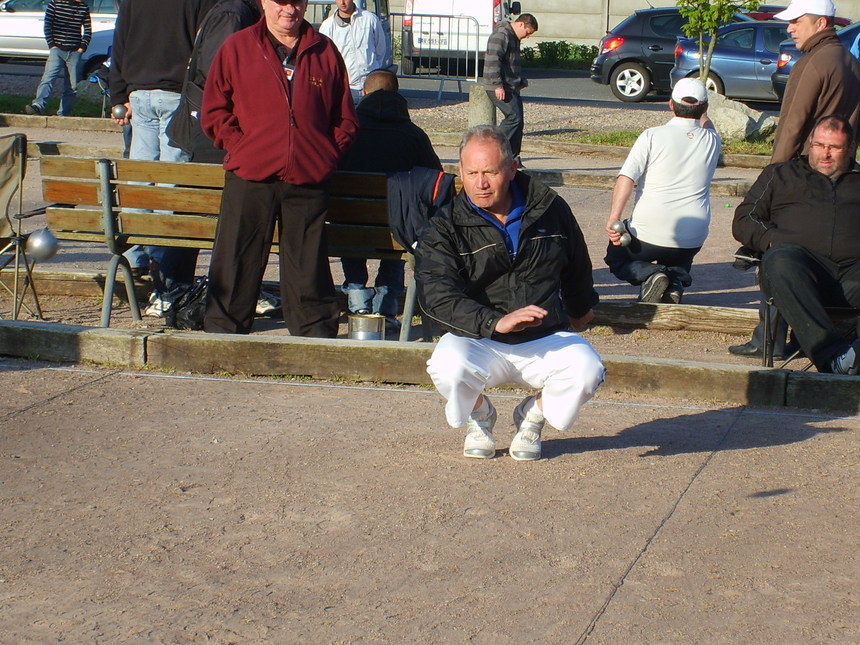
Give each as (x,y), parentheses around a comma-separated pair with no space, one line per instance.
(395,362)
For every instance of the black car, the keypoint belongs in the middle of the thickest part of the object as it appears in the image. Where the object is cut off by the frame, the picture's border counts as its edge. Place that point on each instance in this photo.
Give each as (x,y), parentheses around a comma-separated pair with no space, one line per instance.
(789,53)
(637,55)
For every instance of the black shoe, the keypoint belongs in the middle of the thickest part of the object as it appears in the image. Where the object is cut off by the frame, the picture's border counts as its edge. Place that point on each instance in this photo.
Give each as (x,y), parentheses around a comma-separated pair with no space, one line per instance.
(33,109)
(754,351)
(747,349)
(654,287)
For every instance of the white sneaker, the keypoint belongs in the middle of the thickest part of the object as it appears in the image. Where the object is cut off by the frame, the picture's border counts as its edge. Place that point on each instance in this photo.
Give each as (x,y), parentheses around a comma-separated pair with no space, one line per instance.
(479,435)
(267,303)
(158,305)
(525,445)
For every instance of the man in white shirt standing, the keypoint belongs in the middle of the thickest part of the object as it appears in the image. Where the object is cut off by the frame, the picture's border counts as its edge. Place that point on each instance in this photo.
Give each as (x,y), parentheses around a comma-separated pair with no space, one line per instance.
(671,166)
(361,40)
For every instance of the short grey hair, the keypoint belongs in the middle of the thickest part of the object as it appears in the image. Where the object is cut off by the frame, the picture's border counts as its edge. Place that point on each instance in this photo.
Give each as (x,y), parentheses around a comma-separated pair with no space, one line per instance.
(487,133)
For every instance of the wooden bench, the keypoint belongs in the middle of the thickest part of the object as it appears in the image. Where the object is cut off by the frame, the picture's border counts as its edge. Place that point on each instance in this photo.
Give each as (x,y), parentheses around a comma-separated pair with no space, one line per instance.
(88,198)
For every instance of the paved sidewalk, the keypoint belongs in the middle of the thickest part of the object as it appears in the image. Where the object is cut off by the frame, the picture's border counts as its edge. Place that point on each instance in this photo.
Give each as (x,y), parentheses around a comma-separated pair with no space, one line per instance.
(142,507)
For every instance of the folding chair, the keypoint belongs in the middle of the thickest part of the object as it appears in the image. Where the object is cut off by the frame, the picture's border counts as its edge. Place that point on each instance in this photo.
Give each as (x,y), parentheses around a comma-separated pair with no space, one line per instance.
(13,165)
(839,315)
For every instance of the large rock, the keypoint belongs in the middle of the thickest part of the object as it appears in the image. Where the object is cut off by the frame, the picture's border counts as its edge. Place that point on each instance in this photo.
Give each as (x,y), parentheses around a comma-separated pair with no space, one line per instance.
(735,120)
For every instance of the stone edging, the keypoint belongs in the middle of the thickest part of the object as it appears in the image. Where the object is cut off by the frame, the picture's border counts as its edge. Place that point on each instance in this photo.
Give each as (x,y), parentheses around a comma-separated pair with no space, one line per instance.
(395,362)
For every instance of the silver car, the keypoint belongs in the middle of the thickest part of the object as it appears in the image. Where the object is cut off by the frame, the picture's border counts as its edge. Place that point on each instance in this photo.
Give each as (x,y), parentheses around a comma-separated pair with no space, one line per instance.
(22,31)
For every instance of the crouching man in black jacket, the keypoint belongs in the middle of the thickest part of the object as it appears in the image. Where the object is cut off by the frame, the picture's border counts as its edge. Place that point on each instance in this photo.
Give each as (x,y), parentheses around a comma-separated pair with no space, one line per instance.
(507,276)
(804,216)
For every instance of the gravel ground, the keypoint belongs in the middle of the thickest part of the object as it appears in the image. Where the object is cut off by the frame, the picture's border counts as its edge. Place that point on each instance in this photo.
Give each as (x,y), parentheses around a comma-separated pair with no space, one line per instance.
(550,120)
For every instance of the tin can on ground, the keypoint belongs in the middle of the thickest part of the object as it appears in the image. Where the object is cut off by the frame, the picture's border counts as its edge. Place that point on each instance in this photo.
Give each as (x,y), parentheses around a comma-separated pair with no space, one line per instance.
(367,327)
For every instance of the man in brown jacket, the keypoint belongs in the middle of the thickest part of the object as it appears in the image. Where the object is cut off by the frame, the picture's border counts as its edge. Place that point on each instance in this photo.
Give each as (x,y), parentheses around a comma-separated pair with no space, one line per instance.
(825,80)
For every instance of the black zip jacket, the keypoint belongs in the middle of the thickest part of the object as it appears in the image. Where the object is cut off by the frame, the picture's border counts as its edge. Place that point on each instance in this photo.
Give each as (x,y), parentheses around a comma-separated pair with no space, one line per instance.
(152,43)
(467,281)
(790,203)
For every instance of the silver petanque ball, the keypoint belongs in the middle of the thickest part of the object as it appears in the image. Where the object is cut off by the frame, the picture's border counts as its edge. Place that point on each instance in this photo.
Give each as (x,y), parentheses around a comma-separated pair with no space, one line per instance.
(119,111)
(618,227)
(42,244)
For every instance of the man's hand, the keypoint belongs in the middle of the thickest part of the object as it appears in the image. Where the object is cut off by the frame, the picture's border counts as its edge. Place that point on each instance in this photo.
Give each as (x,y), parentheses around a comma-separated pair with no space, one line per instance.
(579,324)
(127,118)
(520,319)
(500,93)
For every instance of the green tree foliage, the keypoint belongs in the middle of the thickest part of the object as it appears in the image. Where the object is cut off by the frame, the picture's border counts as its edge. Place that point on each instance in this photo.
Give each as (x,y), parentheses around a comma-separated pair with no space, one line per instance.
(704,17)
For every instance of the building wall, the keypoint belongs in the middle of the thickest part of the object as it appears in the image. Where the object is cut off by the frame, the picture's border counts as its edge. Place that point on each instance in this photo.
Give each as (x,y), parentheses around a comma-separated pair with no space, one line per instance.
(587,21)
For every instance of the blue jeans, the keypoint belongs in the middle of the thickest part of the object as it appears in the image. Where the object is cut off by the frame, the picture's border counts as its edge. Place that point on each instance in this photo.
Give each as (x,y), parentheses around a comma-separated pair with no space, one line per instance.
(150,113)
(60,64)
(379,299)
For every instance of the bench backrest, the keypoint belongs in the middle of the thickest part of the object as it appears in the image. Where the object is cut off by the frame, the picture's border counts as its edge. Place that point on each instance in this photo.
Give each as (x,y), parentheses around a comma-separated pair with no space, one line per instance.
(357,224)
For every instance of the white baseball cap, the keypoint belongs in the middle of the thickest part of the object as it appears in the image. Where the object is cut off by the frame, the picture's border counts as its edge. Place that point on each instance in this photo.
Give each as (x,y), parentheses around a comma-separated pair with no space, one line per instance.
(799,8)
(690,91)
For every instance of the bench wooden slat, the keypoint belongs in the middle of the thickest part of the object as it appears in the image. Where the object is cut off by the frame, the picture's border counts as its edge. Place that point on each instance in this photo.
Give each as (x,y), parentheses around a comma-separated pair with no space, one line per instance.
(167,225)
(63,220)
(63,191)
(359,184)
(170,198)
(180,174)
(74,167)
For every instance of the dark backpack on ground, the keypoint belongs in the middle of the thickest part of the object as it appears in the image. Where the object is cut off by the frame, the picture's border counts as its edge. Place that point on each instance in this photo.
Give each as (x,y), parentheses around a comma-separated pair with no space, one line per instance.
(188,307)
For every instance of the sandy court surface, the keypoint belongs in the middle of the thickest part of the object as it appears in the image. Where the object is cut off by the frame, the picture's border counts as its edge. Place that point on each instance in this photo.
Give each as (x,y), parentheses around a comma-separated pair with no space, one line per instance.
(148,508)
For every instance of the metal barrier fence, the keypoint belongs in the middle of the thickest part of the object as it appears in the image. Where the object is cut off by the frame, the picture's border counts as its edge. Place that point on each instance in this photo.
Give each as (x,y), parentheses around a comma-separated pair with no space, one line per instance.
(446,47)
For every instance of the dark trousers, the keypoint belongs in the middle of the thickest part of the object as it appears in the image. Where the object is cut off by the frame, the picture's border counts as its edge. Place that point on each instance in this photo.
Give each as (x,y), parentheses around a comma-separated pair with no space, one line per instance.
(802,283)
(639,260)
(512,123)
(249,212)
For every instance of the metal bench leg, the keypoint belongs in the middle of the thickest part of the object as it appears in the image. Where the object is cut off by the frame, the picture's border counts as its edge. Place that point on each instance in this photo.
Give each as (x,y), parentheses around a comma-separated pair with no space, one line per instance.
(118,262)
(408,309)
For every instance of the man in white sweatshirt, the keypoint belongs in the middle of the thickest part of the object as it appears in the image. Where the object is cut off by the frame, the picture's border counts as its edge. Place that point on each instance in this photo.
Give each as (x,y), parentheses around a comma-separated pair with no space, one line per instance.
(361,40)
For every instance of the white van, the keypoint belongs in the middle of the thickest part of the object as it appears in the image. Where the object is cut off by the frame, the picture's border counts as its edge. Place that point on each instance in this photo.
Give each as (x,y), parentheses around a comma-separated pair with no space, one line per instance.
(450,35)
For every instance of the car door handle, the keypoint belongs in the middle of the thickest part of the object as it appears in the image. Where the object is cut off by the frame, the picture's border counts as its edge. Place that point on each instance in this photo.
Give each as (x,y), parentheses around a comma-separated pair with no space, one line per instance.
(655,48)
(766,61)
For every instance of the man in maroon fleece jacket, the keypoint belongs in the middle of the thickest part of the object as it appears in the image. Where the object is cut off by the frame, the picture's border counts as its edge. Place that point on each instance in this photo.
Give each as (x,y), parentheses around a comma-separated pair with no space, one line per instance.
(277,100)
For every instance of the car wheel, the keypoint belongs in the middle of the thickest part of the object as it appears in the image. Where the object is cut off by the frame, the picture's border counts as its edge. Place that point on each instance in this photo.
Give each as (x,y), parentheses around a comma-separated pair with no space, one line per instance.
(630,82)
(714,84)
(408,66)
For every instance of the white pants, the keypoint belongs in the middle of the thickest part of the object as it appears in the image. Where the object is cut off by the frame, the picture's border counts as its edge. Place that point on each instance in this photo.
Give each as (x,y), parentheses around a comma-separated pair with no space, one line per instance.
(563,365)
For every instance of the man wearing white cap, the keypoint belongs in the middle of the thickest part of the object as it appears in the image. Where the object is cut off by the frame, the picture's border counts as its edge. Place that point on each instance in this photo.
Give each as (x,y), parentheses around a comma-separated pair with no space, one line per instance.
(825,80)
(673,165)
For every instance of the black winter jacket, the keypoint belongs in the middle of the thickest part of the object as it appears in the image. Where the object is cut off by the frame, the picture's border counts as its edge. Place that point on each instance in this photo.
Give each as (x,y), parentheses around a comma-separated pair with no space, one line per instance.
(387,140)
(790,203)
(467,281)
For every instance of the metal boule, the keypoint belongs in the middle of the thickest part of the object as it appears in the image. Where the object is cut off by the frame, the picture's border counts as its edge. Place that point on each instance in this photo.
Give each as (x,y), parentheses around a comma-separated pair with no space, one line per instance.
(618,226)
(42,244)
(625,239)
(119,111)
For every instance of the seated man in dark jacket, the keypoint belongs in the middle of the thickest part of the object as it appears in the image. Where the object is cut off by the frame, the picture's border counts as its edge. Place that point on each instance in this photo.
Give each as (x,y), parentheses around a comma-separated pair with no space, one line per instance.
(804,216)
(508,276)
(388,142)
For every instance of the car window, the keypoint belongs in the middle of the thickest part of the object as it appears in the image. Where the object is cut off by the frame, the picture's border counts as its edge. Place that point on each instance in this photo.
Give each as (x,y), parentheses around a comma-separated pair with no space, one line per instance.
(669,25)
(26,5)
(737,38)
(773,36)
(102,6)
